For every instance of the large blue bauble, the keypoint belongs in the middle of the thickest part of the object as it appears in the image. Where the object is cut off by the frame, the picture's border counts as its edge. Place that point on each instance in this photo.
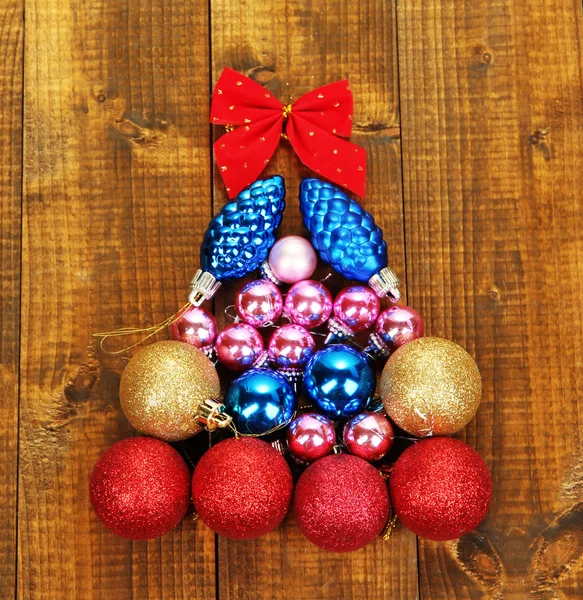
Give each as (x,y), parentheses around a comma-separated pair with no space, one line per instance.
(260,400)
(340,380)
(343,233)
(239,238)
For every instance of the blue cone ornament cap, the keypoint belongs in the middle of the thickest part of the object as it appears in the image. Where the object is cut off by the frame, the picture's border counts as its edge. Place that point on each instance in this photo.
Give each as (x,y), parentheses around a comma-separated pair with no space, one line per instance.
(346,236)
(239,238)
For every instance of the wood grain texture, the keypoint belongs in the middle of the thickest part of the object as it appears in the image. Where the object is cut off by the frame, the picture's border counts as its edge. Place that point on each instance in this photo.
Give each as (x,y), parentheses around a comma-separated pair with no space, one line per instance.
(292,48)
(117,197)
(492,104)
(11,82)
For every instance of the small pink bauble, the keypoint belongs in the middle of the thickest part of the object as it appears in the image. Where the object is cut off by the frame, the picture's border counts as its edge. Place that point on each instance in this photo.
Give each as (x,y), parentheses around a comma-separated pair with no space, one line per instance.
(291,346)
(196,327)
(259,303)
(311,436)
(238,346)
(357,306)
(369,436)
(308,303)
(292,259)
(398,325)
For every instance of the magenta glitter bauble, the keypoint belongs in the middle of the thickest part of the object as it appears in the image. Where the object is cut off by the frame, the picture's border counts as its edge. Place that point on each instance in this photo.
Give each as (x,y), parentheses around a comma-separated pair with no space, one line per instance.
(292,259)
(140,488)
(369,436)
(291,346)
(196,327)
(259,303)
(357,306)
(311,436)
(241,488)
(308,303)
(398,325)
(341,503)
(440,488)
(239,346)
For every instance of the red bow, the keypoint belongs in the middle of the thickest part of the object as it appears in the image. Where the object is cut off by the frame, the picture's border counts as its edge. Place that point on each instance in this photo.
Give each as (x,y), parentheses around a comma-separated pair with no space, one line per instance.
(311,124)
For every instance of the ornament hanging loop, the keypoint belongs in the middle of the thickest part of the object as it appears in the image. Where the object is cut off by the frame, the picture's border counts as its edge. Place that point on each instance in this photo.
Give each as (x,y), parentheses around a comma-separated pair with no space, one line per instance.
(203,287)
(212,415)
(386,283)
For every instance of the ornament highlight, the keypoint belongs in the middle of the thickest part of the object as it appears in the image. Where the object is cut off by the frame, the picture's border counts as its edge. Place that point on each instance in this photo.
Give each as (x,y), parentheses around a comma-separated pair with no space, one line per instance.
(340,380)
(291,259)
(308,303)
(259,303)
(259,401)
(140,488)
(164,387)
(440,488)
(242,488)
(431,386)
(197,327)
(341,503)
(310,437)
(239,347)
(369,436)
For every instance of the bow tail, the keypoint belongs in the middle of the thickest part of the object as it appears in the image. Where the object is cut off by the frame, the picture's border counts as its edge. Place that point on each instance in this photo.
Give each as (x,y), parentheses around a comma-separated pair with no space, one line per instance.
(335,158)
(243,153)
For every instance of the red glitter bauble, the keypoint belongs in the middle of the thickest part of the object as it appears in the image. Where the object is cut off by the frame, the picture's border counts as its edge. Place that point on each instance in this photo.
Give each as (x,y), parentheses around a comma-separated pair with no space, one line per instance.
(341,503)
(242,488)
(440,488)
(140,488)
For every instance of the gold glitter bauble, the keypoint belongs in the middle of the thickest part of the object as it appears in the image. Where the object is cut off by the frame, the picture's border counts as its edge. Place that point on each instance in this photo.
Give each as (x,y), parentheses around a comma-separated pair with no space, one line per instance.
(431,386)
(162,388)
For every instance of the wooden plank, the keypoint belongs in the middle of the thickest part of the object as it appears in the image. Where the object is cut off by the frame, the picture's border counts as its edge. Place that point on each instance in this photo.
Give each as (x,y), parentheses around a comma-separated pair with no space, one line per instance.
(291,49)
(492,103)
(11,53)
(117,197)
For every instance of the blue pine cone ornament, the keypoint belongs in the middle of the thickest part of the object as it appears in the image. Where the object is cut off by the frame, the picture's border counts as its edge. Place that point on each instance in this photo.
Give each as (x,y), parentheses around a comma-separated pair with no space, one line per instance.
(239,238)
(343,233)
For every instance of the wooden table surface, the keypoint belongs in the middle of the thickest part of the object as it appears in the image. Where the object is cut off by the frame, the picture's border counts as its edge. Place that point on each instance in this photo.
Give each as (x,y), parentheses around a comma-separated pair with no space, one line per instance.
(472,116)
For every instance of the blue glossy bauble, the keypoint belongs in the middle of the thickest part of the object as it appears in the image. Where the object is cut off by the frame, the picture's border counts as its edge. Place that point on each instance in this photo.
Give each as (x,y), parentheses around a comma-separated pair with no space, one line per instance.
(260,400)
(239,238)
(340,380)
(343,233)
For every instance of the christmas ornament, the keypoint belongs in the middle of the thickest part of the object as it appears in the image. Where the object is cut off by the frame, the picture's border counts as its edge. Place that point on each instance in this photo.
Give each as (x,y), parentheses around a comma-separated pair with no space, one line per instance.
(356,308)
(395,326)
(197,327)
(311,125)
(340,380)
(239,346)
(242,488)
(308,303)
(259,401)
(140,488)
(440,488)
(369,436)
(310,436)
(166,388)
(347,237)
(341,503)
(259,303)
(431,386)
(239,238)
(289,349)
(291,259)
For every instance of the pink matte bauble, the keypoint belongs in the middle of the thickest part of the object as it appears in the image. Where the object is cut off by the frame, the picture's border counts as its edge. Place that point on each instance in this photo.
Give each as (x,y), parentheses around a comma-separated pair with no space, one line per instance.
(291,346)
(308,303)
(238,346)
(398,325)
(259,303)
(292,259)
(369,435)
(196,327)
(311,436)
(357,306)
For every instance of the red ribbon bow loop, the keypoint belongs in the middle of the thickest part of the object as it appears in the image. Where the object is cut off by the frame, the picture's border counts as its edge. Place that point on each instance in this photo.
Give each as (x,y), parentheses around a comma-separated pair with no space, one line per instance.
(313,125)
